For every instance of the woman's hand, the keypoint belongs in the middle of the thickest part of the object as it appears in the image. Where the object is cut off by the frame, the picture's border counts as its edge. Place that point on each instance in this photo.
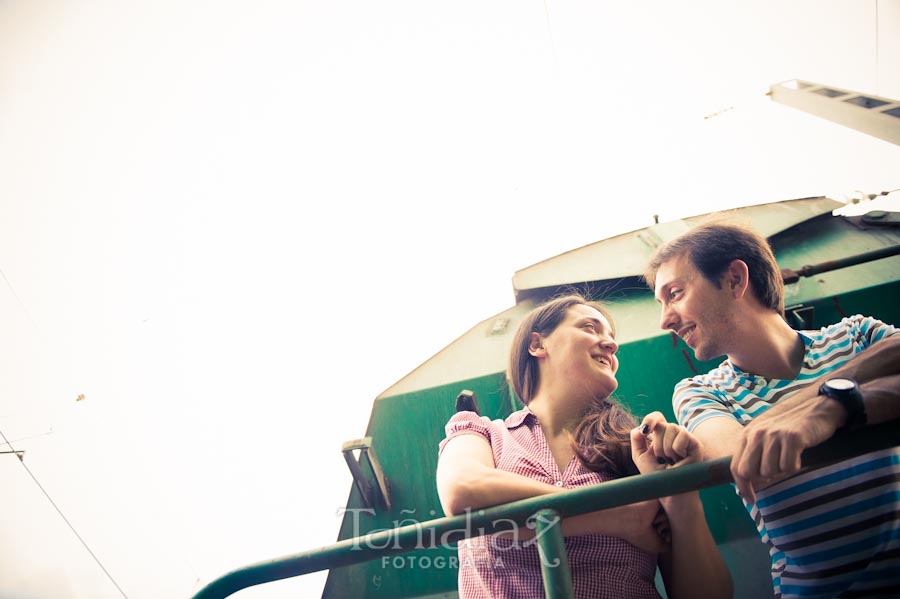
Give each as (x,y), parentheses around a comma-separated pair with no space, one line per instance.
(644,525)
(657,444)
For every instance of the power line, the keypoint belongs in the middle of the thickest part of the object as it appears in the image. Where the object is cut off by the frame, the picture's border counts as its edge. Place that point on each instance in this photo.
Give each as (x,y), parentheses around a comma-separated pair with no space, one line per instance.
(66,520)
(31,474)
(50,432)
(18,299)
(550,35)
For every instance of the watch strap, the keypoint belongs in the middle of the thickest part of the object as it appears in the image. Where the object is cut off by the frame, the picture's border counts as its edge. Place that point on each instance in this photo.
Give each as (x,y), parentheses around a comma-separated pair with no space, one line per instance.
(852,401)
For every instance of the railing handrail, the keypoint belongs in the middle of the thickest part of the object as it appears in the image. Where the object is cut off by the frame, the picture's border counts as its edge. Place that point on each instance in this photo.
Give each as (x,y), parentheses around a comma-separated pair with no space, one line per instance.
(442,531)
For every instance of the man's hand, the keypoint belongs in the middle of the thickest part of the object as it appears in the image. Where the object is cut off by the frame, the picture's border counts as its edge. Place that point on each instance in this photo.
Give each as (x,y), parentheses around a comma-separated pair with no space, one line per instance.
(769,448)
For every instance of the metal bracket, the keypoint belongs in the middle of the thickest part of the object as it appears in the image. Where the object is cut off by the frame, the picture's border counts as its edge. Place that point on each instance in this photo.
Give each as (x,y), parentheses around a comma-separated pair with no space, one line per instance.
(467,402)
(367,473)
(800,317)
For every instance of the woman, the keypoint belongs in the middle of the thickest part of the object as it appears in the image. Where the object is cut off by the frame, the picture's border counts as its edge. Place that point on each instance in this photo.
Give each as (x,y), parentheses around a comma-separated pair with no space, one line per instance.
(571,434)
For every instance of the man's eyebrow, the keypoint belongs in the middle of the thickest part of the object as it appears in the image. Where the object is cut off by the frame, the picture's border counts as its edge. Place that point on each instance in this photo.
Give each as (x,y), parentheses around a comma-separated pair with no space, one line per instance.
(663,289)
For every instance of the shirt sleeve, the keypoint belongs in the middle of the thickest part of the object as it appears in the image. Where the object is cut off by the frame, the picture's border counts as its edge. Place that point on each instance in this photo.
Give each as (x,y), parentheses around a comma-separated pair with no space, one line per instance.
(871,329)
(694,402)
(465,423)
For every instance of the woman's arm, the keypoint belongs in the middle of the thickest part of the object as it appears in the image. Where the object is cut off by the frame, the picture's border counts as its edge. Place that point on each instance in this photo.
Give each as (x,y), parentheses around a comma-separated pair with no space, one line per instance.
(468,480)
(694,567)
(694,563)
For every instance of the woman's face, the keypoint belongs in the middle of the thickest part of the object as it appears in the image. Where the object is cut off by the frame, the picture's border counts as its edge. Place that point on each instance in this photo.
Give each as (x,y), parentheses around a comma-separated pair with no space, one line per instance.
(582,351)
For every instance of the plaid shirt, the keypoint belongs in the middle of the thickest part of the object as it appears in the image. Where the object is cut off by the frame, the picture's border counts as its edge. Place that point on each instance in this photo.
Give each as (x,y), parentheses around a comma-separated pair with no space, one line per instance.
(495,568)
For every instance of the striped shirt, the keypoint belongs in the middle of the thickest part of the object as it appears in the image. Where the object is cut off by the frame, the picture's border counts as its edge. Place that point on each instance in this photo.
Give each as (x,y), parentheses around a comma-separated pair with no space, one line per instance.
(495,568)
(833,531)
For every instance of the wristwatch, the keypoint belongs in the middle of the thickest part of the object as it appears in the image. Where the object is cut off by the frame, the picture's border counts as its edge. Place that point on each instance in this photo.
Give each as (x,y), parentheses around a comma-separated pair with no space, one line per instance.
(846,392)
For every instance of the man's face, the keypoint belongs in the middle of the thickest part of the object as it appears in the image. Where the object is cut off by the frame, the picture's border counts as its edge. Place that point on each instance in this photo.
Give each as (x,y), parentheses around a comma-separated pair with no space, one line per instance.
(695,309)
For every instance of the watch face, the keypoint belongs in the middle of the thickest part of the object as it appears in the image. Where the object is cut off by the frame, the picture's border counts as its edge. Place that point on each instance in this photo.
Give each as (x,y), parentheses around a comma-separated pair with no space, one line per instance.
(841,384)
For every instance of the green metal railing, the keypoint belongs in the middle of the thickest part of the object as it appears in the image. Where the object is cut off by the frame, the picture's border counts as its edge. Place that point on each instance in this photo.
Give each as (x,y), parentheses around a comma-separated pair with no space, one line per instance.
(543,513)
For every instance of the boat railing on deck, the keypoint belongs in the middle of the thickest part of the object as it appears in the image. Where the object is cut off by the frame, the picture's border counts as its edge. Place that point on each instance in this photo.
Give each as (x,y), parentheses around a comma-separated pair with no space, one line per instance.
(541,514)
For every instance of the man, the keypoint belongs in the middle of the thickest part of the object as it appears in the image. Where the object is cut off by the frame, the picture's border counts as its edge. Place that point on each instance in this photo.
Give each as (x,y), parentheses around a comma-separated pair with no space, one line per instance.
(830,531)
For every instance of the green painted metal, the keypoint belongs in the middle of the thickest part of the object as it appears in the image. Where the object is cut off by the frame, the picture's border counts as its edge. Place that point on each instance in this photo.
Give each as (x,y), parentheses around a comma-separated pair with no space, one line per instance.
(555,570)
(446,531)
(406,430)
(407,427)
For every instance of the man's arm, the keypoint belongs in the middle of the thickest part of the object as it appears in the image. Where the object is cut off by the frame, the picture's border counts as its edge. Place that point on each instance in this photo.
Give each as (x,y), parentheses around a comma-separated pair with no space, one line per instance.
(882,399)
(719,436)
(880,359)
(769,448)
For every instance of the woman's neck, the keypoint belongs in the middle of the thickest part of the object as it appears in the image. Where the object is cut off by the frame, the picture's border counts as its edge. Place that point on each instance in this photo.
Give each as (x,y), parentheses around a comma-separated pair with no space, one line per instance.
(558,421)
(557,416)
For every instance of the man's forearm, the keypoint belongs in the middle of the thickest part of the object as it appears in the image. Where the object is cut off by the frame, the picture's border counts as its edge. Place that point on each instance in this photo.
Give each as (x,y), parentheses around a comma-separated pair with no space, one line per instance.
(881,359)
(874,369)
(882,399)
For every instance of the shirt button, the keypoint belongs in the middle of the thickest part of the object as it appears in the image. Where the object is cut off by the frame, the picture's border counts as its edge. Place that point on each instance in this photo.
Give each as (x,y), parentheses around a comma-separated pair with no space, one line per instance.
(559,483)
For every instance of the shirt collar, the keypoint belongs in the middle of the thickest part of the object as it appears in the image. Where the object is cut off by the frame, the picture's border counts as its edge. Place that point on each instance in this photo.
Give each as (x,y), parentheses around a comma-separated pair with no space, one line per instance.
(807,340)
(517,418)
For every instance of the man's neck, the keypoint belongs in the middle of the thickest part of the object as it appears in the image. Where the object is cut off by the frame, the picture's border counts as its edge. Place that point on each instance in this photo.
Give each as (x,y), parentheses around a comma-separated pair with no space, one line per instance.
(769,348)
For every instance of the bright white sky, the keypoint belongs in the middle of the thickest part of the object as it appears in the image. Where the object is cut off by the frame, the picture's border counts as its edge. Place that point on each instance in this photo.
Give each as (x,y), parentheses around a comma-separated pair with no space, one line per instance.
(231,225)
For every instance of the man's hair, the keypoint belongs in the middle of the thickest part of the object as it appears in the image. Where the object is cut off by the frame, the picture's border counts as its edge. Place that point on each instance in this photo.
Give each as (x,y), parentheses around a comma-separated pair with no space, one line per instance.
(711,247)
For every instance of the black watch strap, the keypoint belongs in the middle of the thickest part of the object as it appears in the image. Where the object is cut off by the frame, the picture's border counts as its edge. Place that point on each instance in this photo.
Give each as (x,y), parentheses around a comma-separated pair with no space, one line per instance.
(846,391)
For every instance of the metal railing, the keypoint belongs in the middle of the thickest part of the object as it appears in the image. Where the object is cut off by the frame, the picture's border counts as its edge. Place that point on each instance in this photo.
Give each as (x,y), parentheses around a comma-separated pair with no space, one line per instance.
(544,512)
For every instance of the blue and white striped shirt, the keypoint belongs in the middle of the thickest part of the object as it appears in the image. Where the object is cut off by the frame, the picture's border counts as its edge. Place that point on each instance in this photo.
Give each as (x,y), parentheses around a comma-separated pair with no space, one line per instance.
(830,531)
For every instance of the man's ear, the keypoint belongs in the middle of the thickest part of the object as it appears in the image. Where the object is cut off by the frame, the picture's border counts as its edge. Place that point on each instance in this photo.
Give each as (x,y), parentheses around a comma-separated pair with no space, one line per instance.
(737,278)
(536,345)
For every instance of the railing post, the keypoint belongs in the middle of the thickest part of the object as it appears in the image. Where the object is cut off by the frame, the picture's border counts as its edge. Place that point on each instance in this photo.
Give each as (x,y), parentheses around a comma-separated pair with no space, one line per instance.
(552,549)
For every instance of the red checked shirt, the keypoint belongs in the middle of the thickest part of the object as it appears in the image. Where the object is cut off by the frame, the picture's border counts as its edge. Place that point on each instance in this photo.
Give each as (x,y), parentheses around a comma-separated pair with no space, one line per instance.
(495,568)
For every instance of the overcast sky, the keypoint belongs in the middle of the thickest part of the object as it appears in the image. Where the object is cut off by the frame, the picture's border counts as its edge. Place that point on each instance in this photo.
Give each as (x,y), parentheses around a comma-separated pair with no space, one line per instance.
(229,226)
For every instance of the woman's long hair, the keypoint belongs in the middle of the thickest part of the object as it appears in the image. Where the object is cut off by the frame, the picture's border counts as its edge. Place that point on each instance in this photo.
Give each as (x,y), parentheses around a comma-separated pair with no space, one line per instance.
(602,439)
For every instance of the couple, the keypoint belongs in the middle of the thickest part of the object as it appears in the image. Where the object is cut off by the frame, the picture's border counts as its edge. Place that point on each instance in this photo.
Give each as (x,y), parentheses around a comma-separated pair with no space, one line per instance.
(830,531)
